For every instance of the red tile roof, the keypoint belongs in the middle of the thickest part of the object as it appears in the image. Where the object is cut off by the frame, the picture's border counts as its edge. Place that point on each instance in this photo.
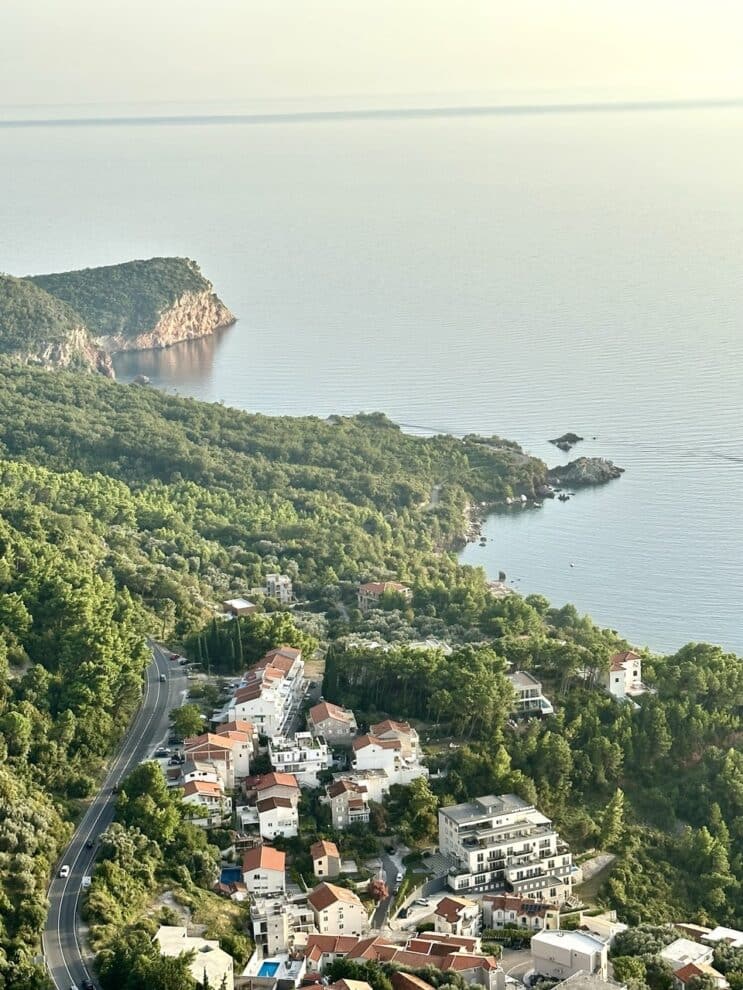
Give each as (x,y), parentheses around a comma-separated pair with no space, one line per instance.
(343,786)
(379,587)
(270,804)
(275,779)
(326,894)
(389,726)
(263,858)
(206,787)
(326,710)
(450,908)
(324,848)
(206,739)
(239,725)
(619,660)
(368,740)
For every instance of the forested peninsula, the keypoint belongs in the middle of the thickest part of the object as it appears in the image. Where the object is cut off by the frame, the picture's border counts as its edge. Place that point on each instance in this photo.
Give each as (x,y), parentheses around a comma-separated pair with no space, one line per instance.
(124,511)
(79,319)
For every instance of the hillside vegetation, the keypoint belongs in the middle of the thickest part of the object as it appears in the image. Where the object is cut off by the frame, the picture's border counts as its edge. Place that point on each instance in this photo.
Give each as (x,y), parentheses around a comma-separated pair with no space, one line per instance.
(128,298)
(123,510)
(29,316)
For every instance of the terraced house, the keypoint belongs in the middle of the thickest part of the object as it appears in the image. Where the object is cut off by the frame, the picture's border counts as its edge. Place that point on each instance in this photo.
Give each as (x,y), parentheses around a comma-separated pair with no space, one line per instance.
(505,844)
(270,693)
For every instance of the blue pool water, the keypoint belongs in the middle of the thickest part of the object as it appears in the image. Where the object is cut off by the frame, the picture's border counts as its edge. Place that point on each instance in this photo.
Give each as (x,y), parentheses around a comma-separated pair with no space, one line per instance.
(231,874)
(268,969)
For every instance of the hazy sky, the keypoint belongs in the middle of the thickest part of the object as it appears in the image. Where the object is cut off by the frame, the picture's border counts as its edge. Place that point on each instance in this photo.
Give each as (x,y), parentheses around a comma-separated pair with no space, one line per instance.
(124,51)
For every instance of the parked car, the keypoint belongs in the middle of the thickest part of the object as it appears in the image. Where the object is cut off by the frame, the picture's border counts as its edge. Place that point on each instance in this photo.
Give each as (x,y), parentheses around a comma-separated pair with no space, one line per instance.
(422,902)
(399,878)
(403,913)
(162,751)
(64,871)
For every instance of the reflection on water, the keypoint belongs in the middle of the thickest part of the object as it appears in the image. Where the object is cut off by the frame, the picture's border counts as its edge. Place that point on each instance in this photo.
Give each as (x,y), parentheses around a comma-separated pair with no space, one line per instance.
(178,366)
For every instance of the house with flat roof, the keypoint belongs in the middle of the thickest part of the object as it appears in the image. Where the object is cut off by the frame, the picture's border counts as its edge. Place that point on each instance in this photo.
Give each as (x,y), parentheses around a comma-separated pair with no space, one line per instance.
(303,755)
(279,586)
(560,954)
(683,951)
(504,844)
(235,607)
(210,963)
(529,697)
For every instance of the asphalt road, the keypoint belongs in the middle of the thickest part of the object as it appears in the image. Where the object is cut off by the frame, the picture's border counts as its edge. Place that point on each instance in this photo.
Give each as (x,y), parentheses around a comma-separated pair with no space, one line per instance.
(64,951)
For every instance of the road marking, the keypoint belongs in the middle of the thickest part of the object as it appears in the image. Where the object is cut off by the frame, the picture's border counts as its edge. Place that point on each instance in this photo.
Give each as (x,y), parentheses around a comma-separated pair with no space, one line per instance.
(123,754)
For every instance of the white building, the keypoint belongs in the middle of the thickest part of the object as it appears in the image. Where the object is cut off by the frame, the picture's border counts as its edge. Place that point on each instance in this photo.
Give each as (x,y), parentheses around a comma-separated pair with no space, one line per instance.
(349,803)
(558,955)
(278,925)
(264,871)
(209,961)
(505,844)
(683,951)
(207,801)
(337,910)
(509,911)
(235,607)
(305,756)
(279,586)
(326,860)
(270,693)
(457,916)
(277,816)
(623,679)
(392,747)
(529,697)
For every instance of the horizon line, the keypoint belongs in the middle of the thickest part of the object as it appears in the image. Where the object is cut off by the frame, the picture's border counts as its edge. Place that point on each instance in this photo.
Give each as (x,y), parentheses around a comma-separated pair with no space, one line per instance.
(380,113)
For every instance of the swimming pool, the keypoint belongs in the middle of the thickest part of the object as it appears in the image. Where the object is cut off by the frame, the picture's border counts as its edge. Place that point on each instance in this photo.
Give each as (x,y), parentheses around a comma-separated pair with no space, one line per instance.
(268,969)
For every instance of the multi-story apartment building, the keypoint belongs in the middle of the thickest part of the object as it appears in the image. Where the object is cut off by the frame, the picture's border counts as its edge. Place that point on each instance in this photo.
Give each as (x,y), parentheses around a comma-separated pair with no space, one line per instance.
(270,693)
(304,755)
(504,843)
(279,586)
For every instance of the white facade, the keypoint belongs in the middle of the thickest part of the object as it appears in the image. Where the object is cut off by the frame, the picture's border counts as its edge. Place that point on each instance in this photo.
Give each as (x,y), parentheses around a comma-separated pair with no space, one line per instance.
(505,844)
(337,911)
(264,871)
(279,586)
(623,679)
(270,693)
(349,803)
(305,756)
(277,817)
(683,951)
(558,955)
(457,916)
(371,752)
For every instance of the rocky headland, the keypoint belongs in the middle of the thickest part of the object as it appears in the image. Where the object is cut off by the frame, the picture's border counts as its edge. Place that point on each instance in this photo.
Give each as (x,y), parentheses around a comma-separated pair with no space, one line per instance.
(584,471)
(79,319)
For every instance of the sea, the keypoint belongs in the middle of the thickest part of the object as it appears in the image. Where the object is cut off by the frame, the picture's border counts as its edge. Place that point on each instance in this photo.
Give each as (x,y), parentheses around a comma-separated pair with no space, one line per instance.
(519,271)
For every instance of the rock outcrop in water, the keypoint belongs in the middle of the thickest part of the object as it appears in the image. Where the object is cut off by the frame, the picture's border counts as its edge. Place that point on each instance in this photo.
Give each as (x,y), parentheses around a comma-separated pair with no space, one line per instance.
(567,441)
(583,472)
(79,319)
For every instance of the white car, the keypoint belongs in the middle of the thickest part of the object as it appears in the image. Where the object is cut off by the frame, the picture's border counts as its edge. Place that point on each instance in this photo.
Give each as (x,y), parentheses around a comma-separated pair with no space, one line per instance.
(399,878)
(64,871)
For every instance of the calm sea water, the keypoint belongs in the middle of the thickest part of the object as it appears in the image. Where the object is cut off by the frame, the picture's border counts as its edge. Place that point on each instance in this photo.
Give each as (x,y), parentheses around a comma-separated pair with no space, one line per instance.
(522,275)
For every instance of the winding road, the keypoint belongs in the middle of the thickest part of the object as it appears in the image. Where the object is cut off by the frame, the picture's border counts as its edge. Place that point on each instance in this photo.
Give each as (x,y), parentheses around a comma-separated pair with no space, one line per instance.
(64,952)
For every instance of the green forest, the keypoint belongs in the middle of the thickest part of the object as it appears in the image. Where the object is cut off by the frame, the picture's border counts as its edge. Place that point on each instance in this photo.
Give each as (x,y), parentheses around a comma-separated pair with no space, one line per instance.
(124,511)
(127,298)
(31,316)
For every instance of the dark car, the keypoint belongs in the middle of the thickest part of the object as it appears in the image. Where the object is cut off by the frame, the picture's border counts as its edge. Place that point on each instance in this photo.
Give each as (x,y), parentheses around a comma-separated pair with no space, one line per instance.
(89,844)
(87,985)
(404,913)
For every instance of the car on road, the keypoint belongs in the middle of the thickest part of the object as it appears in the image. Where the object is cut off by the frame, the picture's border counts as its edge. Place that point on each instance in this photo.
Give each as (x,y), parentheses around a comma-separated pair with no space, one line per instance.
(175,656)
(64,871)
(163,678)
(399,878)
(162,751)
(89,844)
(422,902)
(403,913)
(87,985)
